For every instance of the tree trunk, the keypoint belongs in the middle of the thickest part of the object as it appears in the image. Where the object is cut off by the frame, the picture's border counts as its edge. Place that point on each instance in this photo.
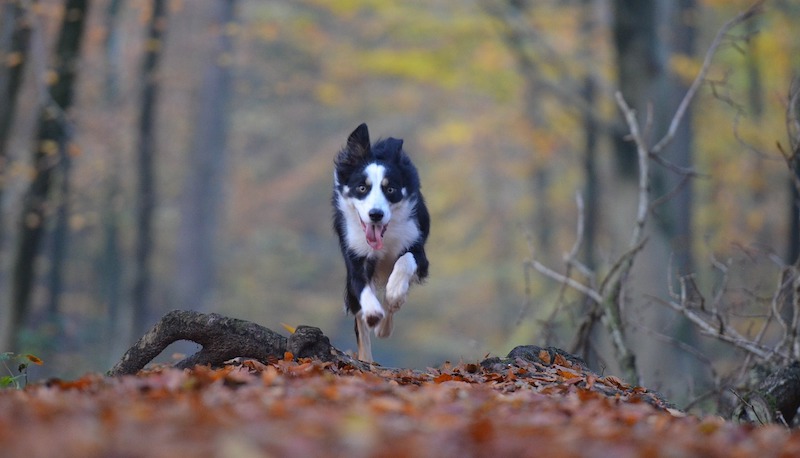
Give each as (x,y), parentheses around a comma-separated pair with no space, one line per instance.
(640,68)
(591,191)
(52,137)
(793,115)
(203,191)
(59,237)
(675,216)
(110,259)
(15,33)
(146,168)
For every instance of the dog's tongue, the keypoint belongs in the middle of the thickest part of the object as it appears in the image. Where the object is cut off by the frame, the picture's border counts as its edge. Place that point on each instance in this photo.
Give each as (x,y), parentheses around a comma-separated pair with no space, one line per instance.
(375,235)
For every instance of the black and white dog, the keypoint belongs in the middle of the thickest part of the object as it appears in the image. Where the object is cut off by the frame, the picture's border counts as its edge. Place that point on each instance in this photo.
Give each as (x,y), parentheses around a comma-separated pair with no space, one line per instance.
(382,223)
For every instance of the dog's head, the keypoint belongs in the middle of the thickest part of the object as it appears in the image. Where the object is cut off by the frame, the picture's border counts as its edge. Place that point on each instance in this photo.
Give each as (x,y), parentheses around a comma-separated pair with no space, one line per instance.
(373,180)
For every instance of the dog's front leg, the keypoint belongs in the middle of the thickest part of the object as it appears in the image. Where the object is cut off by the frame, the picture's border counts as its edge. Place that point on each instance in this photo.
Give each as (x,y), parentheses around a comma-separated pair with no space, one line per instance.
(370,316)
(371,310)
(403,273)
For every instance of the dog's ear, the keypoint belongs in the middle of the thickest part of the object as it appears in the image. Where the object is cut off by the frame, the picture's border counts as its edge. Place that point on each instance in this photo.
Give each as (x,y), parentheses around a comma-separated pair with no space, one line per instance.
(358,141)
(393,146)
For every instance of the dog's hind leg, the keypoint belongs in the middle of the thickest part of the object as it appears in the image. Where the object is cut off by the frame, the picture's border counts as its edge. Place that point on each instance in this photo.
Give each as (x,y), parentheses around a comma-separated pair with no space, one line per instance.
(384,328)
(362,336)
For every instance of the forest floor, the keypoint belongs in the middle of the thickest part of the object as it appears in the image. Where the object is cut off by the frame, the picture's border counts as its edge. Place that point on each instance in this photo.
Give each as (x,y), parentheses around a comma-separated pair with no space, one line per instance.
(309,408)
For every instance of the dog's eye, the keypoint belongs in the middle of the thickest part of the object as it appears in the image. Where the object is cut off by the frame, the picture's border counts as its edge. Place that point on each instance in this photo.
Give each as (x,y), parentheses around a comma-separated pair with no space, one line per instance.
(390,190)
(361,189)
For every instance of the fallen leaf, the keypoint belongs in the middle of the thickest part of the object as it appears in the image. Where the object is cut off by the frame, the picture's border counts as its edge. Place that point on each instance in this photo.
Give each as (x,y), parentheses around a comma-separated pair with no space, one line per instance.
(34,359)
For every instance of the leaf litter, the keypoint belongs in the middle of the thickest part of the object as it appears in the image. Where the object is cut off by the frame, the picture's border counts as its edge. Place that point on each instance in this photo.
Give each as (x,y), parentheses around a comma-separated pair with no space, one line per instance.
(310,408)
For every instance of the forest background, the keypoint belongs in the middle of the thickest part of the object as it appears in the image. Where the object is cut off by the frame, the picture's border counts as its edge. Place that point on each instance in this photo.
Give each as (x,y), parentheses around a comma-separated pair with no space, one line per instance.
(191,168)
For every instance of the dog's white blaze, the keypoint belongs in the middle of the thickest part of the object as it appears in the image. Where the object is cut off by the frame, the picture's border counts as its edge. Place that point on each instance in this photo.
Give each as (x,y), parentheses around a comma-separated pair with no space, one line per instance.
(375,200)
(402,230)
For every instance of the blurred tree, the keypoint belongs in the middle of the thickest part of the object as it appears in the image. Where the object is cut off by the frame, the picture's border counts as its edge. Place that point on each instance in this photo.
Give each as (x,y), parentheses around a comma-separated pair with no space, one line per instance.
(15,30)
(110,255)
(792,11)
(202,198)
(641,68)
(156,28)
(51,143)
(591,191)
(675,217)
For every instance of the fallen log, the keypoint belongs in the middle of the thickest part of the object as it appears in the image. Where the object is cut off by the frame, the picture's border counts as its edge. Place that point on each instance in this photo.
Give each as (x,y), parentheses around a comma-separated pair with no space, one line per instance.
(224,338)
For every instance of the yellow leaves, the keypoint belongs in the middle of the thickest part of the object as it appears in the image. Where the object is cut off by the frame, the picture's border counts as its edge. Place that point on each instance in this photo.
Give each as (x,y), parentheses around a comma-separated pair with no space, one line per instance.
(685,67)
(13,59)
(329,93)
(48,147)
(152,45)
(450,133)
(290,329)
(51,77)
(727,4)
(420,65)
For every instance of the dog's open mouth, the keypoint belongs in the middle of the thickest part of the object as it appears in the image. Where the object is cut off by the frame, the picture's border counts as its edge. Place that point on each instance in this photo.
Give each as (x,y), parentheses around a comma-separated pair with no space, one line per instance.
(374,233)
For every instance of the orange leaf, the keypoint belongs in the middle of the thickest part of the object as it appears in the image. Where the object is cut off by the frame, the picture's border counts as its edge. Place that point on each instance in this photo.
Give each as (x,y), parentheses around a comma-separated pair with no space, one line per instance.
(443,378)
(614,381)
(288,356)
(34,359)
(544,355)
(568,374)
(561,361)
(301,368)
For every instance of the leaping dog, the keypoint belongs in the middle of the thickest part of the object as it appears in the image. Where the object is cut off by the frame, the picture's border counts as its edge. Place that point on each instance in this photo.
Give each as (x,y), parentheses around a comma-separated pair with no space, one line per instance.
(382,224)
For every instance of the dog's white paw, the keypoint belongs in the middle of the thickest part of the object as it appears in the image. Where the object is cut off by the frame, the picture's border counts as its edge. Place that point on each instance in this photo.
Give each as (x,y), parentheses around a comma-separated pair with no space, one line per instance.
(371,309)
(397,287)
(396,294)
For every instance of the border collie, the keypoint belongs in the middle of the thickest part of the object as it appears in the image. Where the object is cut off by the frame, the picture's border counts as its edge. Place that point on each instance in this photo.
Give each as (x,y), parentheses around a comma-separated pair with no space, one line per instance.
(382,224)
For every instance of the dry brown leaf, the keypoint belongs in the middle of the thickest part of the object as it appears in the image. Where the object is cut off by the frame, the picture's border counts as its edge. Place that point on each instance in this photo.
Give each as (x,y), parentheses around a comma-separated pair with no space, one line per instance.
(561,361)
(544,355)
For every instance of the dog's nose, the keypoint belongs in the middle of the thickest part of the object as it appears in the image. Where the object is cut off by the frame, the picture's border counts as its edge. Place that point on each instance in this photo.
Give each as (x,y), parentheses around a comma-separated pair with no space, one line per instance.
(376,215)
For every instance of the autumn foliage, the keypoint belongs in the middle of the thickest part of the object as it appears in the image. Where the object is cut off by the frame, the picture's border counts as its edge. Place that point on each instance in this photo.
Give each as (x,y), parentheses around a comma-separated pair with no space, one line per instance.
(310,408)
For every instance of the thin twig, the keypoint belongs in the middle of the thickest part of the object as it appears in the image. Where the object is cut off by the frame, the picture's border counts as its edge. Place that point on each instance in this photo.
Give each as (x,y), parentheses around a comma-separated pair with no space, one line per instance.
(572,283)
(728,334)
(745,15)
(641,148)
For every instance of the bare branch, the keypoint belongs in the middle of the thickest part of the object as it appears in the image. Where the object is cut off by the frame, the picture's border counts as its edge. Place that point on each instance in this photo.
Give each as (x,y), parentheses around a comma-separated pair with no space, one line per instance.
(745,15)
(641,148)
(727,334)
(572,283)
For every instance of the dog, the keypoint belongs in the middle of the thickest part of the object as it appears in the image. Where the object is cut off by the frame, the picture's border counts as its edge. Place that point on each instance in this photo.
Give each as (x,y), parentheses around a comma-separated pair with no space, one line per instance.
(382,224)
